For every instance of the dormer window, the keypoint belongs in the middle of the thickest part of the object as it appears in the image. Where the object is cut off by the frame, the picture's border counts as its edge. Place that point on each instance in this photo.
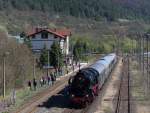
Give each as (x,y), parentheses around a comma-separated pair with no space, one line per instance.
(44,35)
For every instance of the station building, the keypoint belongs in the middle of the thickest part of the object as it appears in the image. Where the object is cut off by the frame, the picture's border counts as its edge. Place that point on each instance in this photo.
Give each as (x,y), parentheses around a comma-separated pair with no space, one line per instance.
(42,36)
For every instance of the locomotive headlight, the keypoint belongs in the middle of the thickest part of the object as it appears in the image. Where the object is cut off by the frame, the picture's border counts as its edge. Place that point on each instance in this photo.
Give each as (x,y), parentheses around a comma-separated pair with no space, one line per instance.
(87,95)
(72,95)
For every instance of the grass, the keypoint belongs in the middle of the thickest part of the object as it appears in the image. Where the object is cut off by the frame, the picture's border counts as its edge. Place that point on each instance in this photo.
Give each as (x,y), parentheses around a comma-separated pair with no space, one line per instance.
(25,95)
(107,110)
(1,97)
(138,82)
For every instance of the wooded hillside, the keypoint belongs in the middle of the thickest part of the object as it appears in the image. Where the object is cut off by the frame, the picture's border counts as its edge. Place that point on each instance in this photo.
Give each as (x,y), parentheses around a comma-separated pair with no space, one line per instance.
(97,9)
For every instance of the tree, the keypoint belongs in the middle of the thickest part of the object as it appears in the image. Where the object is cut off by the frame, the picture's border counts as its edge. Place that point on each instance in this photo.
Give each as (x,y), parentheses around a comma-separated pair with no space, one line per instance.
(56,57)
(127,45)
(27,40)
(23,35)
(77,51)
(44,57)
(19,63)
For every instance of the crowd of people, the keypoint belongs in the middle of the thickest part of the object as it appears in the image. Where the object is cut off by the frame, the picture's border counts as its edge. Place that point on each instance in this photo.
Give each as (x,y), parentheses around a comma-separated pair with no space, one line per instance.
(45,80)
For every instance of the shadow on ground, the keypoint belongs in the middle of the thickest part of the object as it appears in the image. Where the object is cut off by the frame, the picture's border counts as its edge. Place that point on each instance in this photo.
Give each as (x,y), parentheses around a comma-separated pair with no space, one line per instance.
(60,100)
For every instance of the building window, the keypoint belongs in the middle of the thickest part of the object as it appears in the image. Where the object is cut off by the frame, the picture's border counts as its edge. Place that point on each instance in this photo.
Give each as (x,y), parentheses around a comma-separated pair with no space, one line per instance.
(55,36)
(44,35)
(33,36)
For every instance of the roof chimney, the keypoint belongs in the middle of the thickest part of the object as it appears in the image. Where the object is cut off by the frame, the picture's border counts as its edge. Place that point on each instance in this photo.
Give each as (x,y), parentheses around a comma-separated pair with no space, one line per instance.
(54,29)
(38,29)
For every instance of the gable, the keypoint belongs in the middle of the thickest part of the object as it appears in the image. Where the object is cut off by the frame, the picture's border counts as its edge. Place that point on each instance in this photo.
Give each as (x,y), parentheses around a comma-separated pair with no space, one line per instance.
(46,30)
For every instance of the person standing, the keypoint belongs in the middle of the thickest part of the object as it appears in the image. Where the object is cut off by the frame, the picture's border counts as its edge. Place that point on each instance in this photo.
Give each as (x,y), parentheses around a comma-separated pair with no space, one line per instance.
(41,82)
(34,84)
(49,80)
(73,67)
(45,80)
(52,78)
(79,66)
(29,85)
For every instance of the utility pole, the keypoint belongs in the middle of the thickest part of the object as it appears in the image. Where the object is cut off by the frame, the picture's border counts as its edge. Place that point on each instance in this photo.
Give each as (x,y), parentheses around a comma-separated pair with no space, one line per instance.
(137,47)
(143,41)
(48,63)
(57,65)
(128,84)
(118,44)
(143,65)
(4,77)
(140,50)
(147,61)
(4,73)
(132,46)
(33,66)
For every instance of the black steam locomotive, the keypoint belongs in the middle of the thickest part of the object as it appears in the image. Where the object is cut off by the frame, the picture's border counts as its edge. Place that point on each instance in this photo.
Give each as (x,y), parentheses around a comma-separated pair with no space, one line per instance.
(85,85)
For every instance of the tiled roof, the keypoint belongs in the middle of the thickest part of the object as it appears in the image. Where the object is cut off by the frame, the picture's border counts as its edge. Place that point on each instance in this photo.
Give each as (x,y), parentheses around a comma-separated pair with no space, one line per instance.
(64,32)
(60,33)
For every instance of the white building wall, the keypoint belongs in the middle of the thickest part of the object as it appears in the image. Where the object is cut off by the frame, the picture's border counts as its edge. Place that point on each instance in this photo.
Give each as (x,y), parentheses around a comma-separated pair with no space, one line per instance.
(62,45)
(38,42)
(67,45)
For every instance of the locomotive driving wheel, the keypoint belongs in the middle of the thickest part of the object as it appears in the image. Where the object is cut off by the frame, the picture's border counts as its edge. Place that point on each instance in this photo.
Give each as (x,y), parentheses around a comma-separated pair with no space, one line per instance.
(86,103)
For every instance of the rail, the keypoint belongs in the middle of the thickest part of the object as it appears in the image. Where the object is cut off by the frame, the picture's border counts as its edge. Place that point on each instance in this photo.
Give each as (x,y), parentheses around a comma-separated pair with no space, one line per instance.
(123,97)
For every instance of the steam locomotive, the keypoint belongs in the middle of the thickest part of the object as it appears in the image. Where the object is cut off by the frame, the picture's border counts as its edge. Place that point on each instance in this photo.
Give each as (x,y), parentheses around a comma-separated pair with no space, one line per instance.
(85,85)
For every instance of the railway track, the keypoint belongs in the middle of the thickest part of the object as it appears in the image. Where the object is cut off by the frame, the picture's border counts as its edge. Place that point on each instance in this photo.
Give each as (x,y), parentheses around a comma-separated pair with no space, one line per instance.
(83,110)
(39,98)
(123,97)
(69,111)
